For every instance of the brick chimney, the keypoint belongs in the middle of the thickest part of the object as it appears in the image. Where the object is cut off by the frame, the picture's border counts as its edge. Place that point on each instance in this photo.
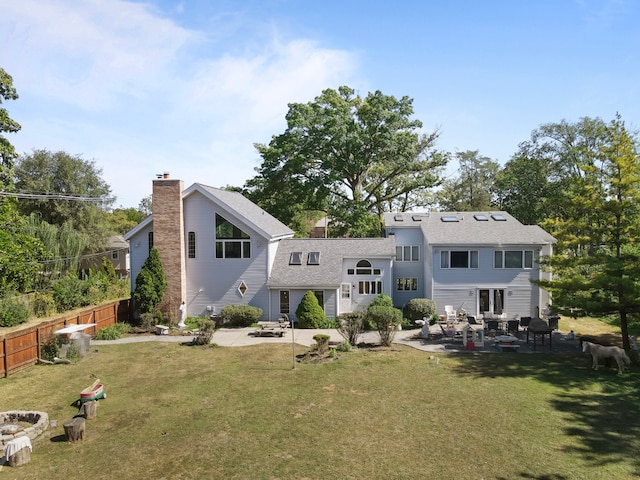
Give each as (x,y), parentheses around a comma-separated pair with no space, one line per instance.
(168,237)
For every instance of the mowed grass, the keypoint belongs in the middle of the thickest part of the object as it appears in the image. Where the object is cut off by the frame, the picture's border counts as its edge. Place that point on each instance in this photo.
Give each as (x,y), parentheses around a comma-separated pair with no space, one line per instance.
(180,412)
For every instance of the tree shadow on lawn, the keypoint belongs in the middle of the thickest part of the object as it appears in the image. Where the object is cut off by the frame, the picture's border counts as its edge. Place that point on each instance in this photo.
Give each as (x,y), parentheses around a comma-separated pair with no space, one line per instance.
(603,408)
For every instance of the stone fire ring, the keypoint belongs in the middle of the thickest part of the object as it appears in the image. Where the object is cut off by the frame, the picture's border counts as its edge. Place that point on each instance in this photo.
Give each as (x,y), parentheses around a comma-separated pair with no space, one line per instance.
(39,423)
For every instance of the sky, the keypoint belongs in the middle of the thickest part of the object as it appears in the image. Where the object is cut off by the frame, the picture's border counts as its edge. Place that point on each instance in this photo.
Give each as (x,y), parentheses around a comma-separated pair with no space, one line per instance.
(189,86)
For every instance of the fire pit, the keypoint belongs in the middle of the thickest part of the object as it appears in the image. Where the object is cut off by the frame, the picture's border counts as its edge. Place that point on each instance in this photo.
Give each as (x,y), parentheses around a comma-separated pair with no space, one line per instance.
(18,423)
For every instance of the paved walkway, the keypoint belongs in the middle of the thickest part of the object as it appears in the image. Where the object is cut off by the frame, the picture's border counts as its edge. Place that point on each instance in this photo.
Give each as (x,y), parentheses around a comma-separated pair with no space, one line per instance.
(239,337)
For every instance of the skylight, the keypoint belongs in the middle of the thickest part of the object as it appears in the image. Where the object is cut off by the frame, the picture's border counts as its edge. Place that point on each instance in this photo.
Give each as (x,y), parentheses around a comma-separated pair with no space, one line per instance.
(398,218)
(313,258)
(498,217)
(449,219)
(295,258)
(416,218)
(481,217)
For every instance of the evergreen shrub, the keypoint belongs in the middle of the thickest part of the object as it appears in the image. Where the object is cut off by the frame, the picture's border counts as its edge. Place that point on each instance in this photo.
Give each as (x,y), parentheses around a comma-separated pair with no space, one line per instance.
(309,312)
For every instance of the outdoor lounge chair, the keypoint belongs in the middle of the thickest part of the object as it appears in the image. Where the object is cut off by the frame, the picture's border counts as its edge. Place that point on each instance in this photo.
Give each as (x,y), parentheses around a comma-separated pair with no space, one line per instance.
(448,332)
(450,314)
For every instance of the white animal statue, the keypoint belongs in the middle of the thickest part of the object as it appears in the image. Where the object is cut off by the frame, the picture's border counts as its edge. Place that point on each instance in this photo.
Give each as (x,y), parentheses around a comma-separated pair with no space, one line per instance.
(424,323)
(600,351)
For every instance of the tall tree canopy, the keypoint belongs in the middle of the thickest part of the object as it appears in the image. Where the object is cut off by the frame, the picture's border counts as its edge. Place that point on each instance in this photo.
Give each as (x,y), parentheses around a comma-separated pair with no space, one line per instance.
(62,177)
(597,225)
(471,189)
(8,125)
(351,157)
(8,206)
(532,184)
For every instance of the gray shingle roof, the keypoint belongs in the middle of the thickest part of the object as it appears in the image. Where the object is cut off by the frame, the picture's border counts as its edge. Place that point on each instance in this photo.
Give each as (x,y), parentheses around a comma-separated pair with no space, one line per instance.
(328,272)
(244,208)
(468,230)
(234,202)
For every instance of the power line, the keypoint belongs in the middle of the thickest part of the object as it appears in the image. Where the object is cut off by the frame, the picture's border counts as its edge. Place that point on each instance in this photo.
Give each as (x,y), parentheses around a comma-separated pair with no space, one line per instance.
(79,258)
(55,196)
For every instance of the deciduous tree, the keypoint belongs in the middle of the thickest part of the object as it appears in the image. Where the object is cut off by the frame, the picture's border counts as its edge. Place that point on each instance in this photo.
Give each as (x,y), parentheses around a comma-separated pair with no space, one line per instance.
(76,193)
(20,262)
(8,205)
(7,125)
(350,157)
(471,189)
(532,185)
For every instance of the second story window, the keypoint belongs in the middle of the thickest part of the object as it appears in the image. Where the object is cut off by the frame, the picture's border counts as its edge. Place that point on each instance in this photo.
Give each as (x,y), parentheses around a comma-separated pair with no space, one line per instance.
(191,244)
(459,259)
(407,253)
(231,241)
(513,259)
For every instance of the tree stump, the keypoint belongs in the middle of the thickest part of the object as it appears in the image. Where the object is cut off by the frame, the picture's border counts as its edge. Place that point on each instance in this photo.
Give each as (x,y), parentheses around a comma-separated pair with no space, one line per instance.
(21,457)
(88,409)
(74,429)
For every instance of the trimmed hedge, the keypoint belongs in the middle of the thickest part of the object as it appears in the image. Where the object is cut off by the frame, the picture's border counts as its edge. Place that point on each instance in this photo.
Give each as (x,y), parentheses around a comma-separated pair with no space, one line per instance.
(241,315)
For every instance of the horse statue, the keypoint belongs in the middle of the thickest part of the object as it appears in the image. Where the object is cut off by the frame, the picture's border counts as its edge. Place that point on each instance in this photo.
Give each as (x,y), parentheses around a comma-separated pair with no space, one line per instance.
(599,352)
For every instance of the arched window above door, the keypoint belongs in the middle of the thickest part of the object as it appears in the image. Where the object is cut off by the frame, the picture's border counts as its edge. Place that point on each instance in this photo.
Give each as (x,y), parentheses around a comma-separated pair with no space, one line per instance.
(363,267)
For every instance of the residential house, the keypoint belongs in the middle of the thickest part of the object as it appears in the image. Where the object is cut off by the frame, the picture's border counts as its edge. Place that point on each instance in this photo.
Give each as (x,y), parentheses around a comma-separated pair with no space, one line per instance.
(117,253)
(480,262)
(344,273)
(219,248)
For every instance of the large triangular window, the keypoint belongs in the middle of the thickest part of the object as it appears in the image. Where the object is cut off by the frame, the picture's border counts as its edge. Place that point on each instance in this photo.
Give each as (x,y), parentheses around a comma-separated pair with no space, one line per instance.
(231,241)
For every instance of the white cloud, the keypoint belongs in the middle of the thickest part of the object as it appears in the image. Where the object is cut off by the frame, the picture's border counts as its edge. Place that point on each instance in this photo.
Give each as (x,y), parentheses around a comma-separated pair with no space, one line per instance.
(89,53)
(115,82)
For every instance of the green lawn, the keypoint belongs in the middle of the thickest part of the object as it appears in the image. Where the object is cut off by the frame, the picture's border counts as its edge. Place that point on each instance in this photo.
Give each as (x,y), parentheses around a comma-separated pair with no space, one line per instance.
(178,412)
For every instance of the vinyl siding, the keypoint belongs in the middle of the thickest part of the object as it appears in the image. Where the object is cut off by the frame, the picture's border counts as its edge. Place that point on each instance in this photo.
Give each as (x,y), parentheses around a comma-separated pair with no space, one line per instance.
(403,269)
(295,297)
(460,286)
(139,251)
(214,282)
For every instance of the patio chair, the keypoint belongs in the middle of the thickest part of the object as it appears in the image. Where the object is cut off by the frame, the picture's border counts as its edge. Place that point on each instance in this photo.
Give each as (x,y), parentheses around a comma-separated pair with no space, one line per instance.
(513,326)
(553,322)
(493,325)
(450,314)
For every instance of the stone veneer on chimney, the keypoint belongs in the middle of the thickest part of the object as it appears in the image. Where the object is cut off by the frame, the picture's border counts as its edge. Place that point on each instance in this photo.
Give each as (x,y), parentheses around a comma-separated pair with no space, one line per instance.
(168,238)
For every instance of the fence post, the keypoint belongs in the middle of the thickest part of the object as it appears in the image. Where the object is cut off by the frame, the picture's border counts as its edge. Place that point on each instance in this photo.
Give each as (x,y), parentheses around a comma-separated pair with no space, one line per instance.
(4,356)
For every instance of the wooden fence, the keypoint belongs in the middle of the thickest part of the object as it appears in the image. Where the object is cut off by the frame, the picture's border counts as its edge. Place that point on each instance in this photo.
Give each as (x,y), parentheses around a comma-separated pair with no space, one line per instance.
(21,349)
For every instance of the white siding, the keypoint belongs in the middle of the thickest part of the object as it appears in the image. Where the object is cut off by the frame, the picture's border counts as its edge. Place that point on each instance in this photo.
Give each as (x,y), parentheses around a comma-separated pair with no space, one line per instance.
(460,286)
(360,301)
(404,269)
(139,251)
(214,281)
